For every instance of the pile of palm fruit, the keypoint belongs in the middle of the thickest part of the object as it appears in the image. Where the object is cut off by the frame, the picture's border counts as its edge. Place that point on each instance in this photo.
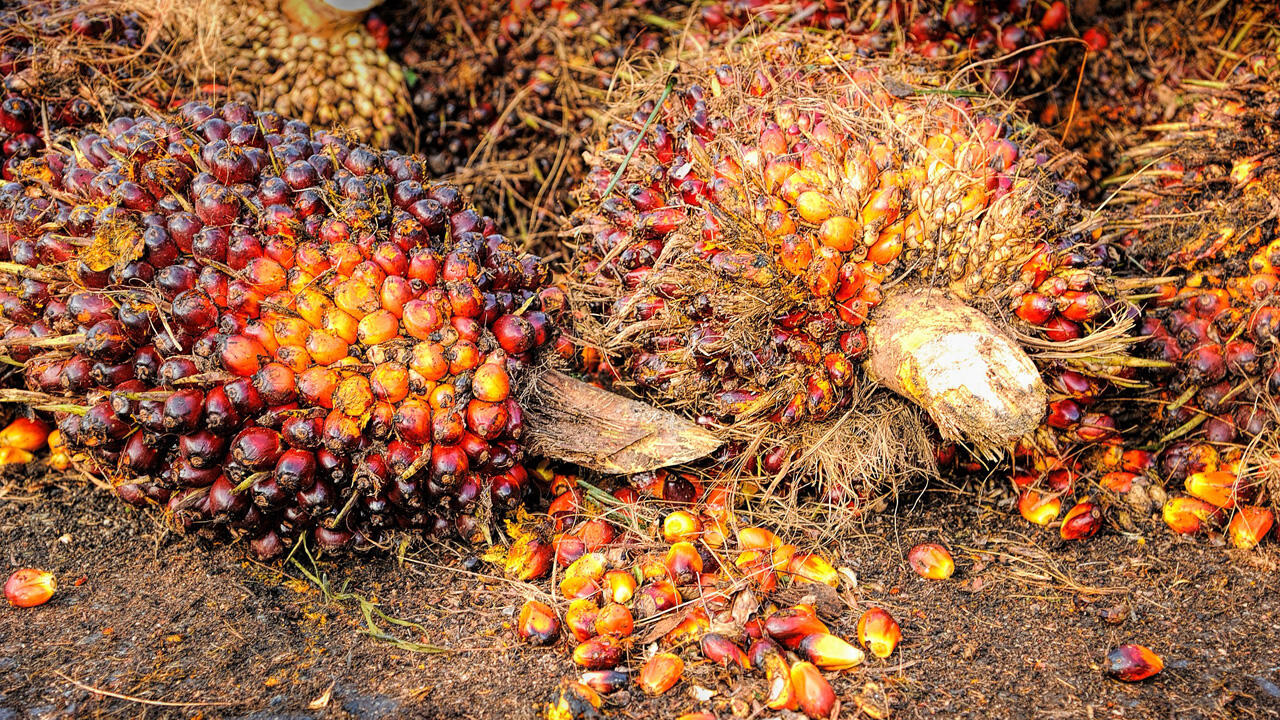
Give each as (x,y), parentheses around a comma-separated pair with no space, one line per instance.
(276,333)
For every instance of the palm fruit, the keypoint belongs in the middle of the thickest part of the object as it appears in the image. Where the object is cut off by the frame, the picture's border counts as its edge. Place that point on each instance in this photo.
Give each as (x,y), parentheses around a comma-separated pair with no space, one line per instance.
(1133,663)
(29,587)
(1197,211)
(792,223)
(271,330)
(506,93)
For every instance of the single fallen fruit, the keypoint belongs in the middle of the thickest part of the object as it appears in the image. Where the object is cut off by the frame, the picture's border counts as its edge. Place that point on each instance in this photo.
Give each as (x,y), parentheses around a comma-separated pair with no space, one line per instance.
(829,652)
(931,561)
(661,673)
(538,623)
(29,587)
(572,701)
(1189,515)
(879,632)
(1038,507)
(1249,525)
(1132,663)
(812,690)
(1081,522)
(25,434)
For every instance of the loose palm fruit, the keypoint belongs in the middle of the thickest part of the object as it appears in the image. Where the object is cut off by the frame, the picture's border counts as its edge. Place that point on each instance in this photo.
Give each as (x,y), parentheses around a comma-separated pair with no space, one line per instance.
(660,673)
(1189,515)
(619,586)
(683,562)
(813,692)
(606,681)
(808,567)
(1039,508)
(1081,522)
(734,255)
(1220,488)
(25,434)
(599,653)
(722,651)
(274,334)
(830,652)
(782,691)
(538,623)
(573,701)
(580,619)
(1249,525)
(681,526)
(789,627)
(931,561)
(614,619)
(29,587)
(879,632)
(1132,663)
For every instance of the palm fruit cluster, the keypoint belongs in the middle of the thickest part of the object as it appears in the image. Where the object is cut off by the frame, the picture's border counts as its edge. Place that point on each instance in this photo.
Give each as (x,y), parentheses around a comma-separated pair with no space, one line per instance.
(271,330)
(337,77)
(649,592)
(737,235)
(1199,211)
(507,92)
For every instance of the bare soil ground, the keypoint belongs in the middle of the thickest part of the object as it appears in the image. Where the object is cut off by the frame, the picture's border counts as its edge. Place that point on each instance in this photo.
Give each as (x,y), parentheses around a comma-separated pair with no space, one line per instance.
(147,624)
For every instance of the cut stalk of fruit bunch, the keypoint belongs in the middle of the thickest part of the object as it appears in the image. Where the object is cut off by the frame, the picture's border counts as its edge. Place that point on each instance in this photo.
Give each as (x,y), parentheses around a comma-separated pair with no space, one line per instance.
(275,331)
(772,233)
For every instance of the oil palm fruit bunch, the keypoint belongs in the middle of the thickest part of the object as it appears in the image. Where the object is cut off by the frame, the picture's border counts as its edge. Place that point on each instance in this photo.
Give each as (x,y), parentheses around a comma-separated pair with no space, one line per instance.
(775,233)
(653,592)
(271,330)
(1198,210)
(507,92)
(304,59)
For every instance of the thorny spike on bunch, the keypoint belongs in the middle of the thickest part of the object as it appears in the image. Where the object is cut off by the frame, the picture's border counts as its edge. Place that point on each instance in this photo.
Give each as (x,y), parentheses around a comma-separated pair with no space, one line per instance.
(270,330)
(743,225)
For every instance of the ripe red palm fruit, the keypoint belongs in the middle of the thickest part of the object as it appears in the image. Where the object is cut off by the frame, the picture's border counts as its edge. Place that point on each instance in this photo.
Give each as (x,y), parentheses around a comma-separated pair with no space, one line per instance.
(296,385)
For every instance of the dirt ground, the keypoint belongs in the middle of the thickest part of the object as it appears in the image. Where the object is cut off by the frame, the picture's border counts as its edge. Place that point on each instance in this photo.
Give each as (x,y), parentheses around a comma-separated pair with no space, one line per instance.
(147,624)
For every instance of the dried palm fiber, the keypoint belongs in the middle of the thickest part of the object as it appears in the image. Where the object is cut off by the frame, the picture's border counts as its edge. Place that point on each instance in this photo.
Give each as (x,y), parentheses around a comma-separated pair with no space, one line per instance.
(289,56)
(1199,209)
(507,94)
(271,331)
(761,221)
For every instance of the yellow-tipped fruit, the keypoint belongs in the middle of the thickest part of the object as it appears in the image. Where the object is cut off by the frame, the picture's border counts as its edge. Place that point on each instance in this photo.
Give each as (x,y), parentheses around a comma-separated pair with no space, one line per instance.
(931,561)
(879,632)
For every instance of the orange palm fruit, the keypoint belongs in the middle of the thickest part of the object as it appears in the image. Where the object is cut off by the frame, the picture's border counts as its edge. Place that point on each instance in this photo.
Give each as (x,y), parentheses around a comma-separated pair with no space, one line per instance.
(29,587)
(879,632)
(579,588)
(782,692)
(1220,488)
(931,561)
(808,567)
(691,629)
(814,693)
(599,653)
(1132,663)
(606,681)
(538,623)
(15,456)
(757,538)
(656,597)
(830,652)
(1039,508)
(1082,521)
(614,619)
(681,526)
(792,625)
(529,560)
(661,673)
(25,434)
(1189,515)
(580,619)
(1249,524)
(683,562)
(619,586)
(757,565)
(722,651)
